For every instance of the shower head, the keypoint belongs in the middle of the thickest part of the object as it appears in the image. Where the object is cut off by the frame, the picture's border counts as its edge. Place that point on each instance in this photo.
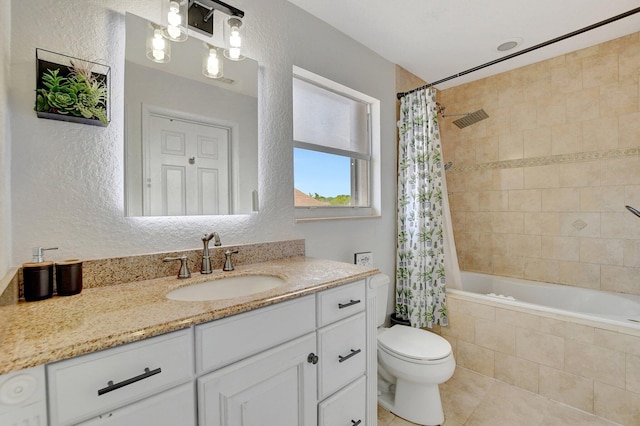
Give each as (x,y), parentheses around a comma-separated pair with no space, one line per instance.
(471,118)
(468,119)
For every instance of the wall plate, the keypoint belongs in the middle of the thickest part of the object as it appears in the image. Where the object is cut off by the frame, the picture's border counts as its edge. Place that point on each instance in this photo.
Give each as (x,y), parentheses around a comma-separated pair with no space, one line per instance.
(363,259)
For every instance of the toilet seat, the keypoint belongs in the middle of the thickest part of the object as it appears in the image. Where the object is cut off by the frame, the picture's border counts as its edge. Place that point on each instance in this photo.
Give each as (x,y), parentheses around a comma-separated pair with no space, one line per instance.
(413,344)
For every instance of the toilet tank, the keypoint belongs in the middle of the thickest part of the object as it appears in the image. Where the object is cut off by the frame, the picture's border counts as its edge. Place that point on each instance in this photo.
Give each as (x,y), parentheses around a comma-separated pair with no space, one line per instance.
(381,283)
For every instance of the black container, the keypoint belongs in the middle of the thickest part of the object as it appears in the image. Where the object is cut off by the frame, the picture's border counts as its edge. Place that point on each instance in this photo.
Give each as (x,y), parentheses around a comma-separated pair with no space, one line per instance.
(38,280)
(69,277)
(398,321)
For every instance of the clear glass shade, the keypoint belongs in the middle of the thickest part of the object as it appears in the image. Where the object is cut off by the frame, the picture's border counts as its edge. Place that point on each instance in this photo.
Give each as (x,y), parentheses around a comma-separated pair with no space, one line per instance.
(212,63)
(158,47)
(174,14)
(233,38)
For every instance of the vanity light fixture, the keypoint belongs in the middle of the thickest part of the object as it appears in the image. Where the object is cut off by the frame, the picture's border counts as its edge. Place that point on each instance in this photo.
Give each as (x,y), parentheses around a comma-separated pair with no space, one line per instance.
(212,62)
(175,15)
(201,12)
(158,48)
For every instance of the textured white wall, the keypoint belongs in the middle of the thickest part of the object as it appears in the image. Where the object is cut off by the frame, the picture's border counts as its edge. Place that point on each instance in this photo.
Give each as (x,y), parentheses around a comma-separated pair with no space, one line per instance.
(68,178)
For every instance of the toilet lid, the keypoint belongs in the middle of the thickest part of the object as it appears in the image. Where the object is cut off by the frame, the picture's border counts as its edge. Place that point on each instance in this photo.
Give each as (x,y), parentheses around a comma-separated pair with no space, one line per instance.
(414,343)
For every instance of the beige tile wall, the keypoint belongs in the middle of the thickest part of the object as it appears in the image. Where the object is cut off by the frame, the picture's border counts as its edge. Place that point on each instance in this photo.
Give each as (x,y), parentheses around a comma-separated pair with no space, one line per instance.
(583,365)
(538,189)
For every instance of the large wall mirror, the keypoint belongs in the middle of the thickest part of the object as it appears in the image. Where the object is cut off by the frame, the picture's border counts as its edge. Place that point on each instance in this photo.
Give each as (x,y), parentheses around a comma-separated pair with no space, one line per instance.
(191,142)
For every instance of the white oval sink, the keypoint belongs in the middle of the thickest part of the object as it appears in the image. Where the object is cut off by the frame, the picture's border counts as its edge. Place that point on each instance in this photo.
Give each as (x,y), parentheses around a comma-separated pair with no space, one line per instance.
(225,288)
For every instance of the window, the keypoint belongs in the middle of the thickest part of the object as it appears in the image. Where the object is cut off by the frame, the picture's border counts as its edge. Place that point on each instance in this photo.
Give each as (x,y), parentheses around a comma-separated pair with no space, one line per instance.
(333,155)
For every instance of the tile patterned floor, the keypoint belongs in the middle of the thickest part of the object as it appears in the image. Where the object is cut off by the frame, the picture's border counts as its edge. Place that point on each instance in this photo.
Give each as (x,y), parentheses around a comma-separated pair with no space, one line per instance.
(472,399)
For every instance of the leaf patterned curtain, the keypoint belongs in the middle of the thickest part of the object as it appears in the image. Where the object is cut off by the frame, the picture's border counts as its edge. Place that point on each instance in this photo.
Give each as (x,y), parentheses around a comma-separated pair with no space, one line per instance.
(420,273)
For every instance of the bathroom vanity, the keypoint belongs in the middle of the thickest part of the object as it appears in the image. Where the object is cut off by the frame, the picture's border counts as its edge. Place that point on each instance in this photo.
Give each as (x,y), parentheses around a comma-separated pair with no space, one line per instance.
(300,354)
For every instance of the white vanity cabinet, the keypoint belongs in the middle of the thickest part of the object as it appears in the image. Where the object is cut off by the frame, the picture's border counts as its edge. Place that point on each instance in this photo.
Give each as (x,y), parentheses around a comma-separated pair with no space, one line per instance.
(302,362)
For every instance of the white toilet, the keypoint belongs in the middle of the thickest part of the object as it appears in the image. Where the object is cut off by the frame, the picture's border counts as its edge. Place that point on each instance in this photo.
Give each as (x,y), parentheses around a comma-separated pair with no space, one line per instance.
(411,364)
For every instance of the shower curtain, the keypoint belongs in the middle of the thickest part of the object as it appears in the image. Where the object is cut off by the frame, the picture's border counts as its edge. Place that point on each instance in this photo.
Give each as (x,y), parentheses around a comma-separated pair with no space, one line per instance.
(420,255)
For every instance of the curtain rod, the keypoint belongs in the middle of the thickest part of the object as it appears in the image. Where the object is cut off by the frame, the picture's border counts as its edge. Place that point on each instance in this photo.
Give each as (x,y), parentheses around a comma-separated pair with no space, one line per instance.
(527,50)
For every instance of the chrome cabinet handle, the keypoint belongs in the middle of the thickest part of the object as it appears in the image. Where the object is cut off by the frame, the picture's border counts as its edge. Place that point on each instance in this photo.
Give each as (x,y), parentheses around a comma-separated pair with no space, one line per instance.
(354,352)
(346,305)
(111,386)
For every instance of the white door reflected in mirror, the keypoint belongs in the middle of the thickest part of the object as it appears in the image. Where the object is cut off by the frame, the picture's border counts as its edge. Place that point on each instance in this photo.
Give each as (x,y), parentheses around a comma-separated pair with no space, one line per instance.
(186,167)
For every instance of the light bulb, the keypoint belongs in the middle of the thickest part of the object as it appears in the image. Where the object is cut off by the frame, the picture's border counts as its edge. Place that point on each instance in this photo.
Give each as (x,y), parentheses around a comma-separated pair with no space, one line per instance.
(234,53)
(176,19)
(213,67)
(158,41)
(173,31)
(158,48)
(234,38)
(158,55)
(173,17)
(212,63)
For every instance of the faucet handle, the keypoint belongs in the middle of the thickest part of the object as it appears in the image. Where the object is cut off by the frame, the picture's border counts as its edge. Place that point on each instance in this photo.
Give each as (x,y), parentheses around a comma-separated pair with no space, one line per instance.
(184,265)
(228,265)
(37,255)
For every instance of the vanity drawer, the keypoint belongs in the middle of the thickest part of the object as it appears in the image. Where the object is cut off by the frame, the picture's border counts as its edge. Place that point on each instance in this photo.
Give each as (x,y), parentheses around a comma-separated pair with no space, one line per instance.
(97,383)
(340,302)
(346,407)
(169,408)
(231,339)
(342,353)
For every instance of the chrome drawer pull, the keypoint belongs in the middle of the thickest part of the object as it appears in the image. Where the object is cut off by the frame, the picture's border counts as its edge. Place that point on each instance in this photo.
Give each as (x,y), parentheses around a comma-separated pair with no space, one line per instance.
(353,353)
(354,423)
(346,305)
(111,386)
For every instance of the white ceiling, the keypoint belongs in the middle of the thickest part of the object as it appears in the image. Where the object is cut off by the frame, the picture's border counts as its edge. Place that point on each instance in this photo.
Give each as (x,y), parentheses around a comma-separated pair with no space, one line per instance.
(437,39)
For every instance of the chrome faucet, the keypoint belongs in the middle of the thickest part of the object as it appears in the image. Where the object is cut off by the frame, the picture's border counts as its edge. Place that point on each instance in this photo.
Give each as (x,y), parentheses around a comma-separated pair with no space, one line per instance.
(205,268)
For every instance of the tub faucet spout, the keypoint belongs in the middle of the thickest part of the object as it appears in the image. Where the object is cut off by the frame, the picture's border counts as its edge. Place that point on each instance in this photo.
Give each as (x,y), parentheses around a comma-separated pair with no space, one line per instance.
(205,268)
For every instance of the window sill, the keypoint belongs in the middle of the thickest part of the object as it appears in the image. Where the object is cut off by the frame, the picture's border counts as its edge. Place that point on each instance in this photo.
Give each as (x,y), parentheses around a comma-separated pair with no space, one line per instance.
(330,218)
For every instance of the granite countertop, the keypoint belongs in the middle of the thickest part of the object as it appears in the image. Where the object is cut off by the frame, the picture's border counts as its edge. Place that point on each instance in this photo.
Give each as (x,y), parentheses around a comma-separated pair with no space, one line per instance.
(35,333)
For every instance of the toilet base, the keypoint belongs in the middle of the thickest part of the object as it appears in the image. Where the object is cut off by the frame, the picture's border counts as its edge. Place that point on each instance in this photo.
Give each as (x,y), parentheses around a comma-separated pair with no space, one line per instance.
(416,403)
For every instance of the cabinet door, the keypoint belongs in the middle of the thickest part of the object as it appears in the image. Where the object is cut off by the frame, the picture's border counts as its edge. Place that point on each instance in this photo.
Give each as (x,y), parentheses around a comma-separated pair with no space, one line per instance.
(175,407)
(276,387)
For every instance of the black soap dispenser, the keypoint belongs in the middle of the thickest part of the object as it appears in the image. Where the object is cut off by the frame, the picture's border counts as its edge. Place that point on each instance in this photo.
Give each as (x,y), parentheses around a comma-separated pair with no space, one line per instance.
(38,276)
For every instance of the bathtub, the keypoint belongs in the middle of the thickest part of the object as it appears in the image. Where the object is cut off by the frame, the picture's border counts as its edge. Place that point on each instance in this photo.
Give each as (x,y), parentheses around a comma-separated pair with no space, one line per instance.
(580,347)
(597,305)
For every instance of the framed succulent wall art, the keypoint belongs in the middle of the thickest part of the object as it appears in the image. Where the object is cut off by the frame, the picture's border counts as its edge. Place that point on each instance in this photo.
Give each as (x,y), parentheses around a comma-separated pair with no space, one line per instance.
(72,89)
